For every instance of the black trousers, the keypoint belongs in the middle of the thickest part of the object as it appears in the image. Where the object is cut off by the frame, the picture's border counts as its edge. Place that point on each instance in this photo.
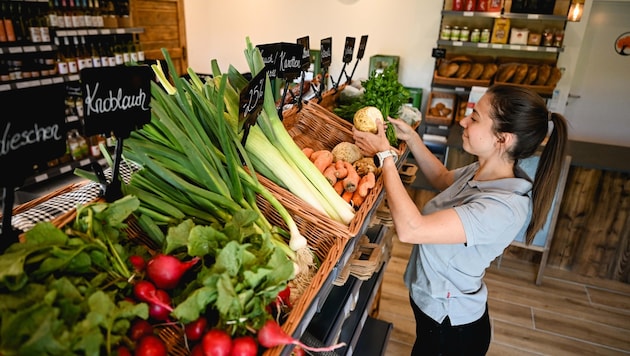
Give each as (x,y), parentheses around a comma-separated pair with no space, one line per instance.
(433,338)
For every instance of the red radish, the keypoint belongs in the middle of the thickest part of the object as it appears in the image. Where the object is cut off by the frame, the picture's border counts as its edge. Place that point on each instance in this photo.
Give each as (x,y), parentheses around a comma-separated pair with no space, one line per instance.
(216,342)
(244,346)
(271,335)
(163,310)
(123,351)
(137,262)
(150,345)
(145,292)
(195,329)
(284,297)
(140,328)
(166,270)
(197,350)
(298,351)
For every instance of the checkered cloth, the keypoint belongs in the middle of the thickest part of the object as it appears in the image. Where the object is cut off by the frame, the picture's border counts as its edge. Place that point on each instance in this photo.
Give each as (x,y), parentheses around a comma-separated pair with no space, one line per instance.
(60,204)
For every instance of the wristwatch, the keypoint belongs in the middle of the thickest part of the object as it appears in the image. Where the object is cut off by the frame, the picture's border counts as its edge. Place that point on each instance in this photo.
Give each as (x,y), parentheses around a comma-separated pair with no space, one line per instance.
(380,157)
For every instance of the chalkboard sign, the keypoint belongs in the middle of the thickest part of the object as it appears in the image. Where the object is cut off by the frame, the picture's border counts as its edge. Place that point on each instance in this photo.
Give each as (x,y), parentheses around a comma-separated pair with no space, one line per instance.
(251,99)
(282,59)
(348,50)
(306,52)
(326,52)
(362,45)
(116,99)
(32,130)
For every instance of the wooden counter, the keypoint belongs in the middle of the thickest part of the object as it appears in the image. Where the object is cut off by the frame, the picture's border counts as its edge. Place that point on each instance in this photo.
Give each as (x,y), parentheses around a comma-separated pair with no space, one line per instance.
(592,235)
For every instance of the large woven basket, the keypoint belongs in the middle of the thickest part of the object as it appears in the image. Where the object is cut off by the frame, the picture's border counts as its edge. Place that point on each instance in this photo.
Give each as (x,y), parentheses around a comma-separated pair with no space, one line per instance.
(318,128)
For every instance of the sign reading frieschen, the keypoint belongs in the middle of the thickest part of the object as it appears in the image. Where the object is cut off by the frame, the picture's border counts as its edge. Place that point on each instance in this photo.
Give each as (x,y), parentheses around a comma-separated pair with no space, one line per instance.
(32,130)
(116,99)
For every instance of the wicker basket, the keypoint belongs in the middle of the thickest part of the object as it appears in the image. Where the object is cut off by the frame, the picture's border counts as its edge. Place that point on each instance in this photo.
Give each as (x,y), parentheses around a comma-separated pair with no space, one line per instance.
(318,128)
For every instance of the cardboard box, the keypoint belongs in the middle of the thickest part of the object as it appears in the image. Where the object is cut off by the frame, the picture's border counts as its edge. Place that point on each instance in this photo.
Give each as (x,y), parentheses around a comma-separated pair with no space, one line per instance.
(519,36)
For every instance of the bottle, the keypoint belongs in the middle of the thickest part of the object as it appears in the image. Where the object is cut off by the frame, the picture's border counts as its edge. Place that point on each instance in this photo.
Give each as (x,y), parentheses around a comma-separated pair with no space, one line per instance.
(87,14)
(84,59)
(111,56)
(455,31)
(4,20)
(446,33)
(53,15)
(32,26)
(62,63)
(97,19)
(464,34)
(44,25)
(475,35)
(19,27)
(118,52)
(96,57)
(103,51)
(133,51)
(67,14)
(485,36)
(71,57)
(139,49)
(126,52)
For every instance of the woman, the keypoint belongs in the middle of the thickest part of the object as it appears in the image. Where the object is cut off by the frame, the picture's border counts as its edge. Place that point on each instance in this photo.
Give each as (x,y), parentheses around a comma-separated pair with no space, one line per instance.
(481,208)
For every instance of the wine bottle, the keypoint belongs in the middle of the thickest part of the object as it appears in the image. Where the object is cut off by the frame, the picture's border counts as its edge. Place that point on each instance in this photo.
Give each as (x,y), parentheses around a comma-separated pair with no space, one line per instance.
(4,18)
(62,63)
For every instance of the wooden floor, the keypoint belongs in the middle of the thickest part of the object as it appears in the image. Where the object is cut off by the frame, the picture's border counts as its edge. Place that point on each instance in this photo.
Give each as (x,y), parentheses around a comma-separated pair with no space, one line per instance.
(565,315)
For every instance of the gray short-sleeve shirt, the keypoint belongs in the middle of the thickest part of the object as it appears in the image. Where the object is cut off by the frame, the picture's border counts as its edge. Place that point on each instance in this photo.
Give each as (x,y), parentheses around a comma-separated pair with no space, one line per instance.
(447,279)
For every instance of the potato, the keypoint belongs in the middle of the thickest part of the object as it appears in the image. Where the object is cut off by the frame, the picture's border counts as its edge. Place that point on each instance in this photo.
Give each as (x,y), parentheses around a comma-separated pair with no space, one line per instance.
(365,119)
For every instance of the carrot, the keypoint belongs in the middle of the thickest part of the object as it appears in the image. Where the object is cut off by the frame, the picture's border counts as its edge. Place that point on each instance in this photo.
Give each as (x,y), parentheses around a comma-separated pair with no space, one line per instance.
(351,181)
(323,159)
(338,186)
(316,154)
(347,196)
(329,173)
(340,169)
(308,151)
(367,182)
(357,199)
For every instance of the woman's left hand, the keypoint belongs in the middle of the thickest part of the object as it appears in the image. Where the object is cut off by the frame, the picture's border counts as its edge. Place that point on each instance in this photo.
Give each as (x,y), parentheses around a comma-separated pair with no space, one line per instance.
(371,143)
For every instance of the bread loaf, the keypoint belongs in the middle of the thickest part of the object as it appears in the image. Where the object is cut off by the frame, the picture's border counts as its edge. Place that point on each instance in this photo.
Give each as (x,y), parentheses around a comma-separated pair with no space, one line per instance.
(489,70)
(463,70)
(506,72)
(447,69)
(475,71)
(532,73)
(554,77)
(520,73)
(544,71)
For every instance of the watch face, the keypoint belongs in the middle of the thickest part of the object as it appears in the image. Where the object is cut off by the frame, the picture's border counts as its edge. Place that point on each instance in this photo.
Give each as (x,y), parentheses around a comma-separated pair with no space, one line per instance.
(377,161)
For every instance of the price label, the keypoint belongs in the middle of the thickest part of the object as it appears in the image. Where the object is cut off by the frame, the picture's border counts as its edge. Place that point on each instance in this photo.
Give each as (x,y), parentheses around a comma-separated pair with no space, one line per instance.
(326,52)
(438,52)
(362,45)
(32,130)
(116,99)
(282,59)
(306,52)
(348,50)
(252,98)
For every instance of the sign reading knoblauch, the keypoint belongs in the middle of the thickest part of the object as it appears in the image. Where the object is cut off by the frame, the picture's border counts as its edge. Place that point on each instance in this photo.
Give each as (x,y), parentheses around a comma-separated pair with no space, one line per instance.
(116,99)
(32,130)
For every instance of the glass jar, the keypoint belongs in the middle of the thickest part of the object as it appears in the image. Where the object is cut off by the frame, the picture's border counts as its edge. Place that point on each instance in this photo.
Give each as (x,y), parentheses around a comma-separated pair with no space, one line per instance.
(558,38)
(446,33)
(485,36)
(547,37)
(455,33)
(464,34)
(475,35)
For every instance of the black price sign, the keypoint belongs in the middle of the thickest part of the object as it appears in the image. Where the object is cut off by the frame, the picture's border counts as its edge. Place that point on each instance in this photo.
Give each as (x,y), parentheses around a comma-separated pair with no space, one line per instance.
(326,52)
(306,52)
(362,46)
(282,59)
(251,99)
(348,50)
(32,130)
(438,53)
(116,99)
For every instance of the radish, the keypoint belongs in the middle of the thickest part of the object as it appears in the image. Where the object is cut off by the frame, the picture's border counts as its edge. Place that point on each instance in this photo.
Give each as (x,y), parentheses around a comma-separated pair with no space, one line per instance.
(271,335)
(161,311)
(195,329)
(145,291)
(137,262)
(284,297)
(150,345)
(123,351)
(140,328)
(216,342)
(166,270)
(244,346)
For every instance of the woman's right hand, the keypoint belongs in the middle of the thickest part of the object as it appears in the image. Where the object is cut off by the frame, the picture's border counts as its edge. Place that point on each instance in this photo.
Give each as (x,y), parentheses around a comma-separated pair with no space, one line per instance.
(403,130)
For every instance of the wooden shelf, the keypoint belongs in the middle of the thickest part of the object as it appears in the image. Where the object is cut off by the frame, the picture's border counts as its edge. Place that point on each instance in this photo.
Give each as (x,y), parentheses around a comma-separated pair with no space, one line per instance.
(497,46)
(507,15)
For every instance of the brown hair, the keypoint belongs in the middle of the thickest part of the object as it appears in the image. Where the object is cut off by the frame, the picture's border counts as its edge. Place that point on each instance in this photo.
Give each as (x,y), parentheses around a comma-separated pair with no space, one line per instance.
(524,113)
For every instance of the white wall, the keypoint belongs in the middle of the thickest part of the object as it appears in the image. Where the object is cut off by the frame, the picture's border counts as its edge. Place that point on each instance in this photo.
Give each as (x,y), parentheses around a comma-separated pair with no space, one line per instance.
(216,29)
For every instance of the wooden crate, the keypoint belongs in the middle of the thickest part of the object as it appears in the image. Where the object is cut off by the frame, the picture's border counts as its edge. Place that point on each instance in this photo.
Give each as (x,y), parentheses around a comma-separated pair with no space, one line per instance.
(434,114)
